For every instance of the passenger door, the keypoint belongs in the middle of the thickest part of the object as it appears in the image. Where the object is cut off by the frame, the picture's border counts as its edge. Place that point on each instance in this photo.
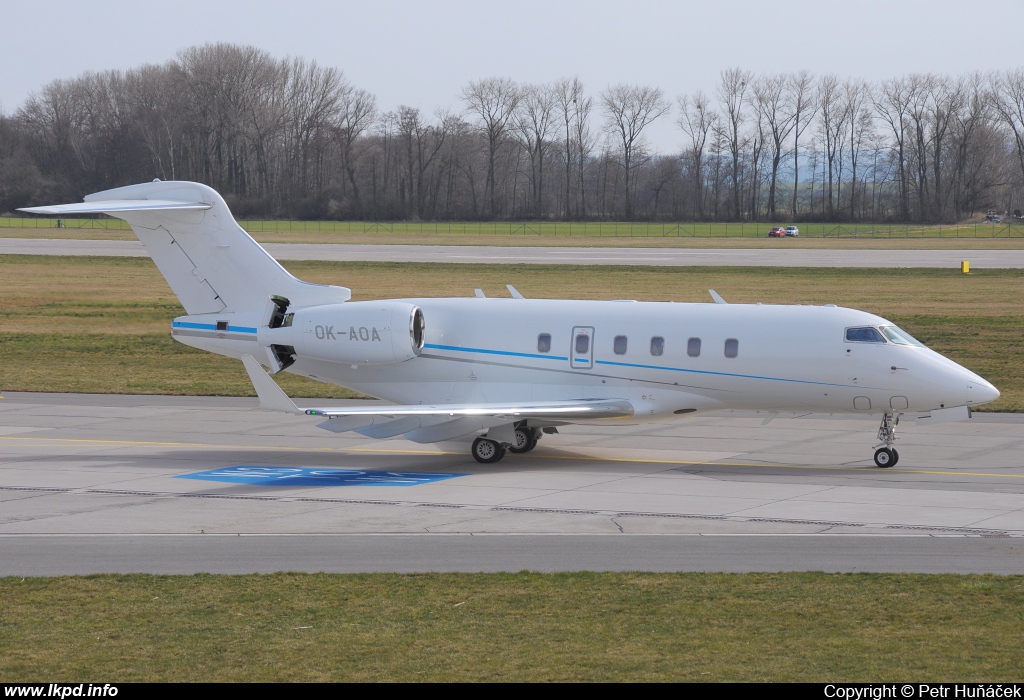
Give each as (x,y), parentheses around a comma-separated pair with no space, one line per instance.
(581,354)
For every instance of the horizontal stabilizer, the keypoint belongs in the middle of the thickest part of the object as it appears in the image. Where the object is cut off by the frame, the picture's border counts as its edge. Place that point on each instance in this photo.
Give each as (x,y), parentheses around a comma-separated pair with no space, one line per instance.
(115,205)
(577,409)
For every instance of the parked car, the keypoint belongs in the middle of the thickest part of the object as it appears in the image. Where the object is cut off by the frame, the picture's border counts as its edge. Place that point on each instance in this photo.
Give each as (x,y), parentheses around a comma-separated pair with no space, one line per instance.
(792,231)
(777,232)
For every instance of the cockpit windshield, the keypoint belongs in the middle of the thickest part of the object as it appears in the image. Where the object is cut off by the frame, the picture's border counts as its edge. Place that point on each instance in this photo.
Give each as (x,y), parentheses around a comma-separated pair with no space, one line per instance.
(881,334)
(900,336)
(864,334)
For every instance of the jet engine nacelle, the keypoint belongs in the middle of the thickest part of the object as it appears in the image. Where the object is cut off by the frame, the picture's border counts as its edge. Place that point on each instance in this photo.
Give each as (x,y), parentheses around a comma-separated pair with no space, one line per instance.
(359,332)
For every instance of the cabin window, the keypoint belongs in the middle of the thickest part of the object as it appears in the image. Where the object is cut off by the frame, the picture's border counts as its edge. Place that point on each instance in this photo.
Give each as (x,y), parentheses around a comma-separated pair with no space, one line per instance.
(864,334)
(732,347)
(582,344)
(657,345)
(620,345)
(693,347)
(222,325)
(544,342)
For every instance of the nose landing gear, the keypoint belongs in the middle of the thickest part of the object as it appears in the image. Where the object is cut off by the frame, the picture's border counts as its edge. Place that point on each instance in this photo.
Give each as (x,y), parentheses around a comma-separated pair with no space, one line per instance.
(887,456)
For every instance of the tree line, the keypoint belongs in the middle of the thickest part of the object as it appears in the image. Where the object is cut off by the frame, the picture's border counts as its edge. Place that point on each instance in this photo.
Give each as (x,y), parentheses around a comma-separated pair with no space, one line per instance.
(292,138)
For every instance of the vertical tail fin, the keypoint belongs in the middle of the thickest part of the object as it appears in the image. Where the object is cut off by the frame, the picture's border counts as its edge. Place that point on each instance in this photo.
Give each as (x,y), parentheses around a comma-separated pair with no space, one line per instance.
(209,261)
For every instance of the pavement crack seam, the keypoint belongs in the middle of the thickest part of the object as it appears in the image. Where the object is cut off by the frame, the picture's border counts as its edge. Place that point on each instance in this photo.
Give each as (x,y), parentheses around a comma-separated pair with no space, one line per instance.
(566,511)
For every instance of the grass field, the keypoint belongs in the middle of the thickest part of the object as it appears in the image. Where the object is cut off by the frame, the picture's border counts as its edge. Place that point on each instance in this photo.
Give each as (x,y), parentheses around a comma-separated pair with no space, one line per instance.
(103,327)
(810,627)
(101,324)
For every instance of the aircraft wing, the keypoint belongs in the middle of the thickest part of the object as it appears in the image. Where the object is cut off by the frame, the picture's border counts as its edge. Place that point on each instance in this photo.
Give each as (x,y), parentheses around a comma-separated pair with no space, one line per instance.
(272,397)
(575,410)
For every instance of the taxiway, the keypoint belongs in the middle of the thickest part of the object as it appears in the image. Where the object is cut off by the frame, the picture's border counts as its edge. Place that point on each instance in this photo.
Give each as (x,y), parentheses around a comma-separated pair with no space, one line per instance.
(116,483)
(672,257)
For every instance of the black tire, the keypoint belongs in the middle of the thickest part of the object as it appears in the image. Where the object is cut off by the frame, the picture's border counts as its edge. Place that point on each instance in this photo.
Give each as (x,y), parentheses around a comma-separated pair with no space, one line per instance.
(895,457)
(487,451)
(525,441)
(884,457)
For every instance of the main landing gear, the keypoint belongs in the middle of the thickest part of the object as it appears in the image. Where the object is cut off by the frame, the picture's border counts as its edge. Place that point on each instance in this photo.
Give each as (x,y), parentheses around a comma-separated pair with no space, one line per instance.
(526,440)
(488,451)
(887,456)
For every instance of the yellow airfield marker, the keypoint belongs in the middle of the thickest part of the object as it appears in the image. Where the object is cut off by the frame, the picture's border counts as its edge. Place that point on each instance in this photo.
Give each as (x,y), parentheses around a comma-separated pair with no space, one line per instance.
(965,267)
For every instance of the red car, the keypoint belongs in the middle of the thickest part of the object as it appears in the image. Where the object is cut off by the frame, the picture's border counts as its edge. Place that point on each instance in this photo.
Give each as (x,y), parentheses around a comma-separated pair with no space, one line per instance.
(777,232)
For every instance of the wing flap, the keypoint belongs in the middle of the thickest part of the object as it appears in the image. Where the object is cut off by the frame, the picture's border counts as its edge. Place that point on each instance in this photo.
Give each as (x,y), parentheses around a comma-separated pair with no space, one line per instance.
(576,409)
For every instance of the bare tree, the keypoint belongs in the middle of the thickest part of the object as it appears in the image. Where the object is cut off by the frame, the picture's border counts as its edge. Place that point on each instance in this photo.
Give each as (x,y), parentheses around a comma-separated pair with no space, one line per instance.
(861,125)
(892,102)
(697,120)
(804,104)
(494,101)
(628,110)
(834,114)
(1008,100)
(291,138)
(772,98)
(357,110)
(574,109)
(421,144)
(732,90)
(534,120)
(974,163)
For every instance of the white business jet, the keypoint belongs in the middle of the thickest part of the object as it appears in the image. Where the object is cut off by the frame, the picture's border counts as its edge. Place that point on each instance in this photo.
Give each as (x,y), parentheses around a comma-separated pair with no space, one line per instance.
(507,371)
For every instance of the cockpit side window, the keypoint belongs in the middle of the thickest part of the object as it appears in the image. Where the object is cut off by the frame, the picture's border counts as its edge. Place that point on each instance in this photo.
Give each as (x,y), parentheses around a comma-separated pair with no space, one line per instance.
(900,336)
(864,334)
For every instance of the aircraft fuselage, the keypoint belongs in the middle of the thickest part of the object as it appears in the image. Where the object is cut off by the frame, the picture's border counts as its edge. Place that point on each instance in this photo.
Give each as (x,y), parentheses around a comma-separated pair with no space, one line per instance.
(663,357)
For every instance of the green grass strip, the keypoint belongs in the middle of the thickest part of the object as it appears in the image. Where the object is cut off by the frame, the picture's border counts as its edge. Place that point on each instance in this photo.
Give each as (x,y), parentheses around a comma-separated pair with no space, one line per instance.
(809,627)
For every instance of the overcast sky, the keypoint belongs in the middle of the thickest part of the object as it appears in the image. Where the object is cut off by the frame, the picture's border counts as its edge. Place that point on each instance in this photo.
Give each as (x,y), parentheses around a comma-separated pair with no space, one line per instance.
(422,53)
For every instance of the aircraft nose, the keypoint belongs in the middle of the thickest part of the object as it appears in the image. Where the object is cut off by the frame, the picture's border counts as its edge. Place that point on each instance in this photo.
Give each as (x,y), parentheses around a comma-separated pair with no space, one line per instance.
(981,392)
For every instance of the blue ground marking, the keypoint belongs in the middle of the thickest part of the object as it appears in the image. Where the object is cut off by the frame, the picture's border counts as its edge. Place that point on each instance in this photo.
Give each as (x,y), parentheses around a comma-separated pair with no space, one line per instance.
(304,476)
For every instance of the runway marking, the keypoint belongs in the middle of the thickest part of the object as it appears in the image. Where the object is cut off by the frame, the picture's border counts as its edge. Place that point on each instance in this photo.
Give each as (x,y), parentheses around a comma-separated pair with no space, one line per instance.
(627,460)
(316,476)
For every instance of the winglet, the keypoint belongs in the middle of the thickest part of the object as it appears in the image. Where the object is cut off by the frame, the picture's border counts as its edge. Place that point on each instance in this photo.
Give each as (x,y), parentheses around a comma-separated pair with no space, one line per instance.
(514,292)
(272,397)
(717,297)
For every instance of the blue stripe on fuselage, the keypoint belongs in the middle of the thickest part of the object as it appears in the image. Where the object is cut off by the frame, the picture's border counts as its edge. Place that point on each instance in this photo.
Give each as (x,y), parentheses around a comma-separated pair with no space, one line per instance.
(639,366)
(495,352)
(726,374)
(211,327)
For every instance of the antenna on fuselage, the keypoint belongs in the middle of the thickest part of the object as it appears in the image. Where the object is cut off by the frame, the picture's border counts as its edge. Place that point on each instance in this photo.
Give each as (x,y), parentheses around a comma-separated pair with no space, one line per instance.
(717,297)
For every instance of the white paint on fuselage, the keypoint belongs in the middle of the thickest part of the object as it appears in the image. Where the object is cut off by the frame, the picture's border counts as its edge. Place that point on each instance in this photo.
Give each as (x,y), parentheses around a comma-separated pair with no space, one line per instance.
(790,358)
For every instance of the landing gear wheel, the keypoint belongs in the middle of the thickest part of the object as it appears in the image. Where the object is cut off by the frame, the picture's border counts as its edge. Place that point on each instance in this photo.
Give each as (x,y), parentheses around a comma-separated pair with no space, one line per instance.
(885,457)
(525,441)
(487,451)
(895,456)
